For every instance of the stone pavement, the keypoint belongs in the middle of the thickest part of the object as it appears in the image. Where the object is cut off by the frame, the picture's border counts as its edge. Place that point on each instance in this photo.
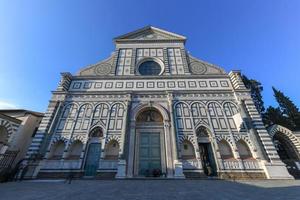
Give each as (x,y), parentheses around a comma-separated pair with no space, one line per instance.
(151,189)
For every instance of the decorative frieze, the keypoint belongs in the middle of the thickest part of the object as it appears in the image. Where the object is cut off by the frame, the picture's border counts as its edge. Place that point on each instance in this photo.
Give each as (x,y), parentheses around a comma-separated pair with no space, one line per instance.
(150,84)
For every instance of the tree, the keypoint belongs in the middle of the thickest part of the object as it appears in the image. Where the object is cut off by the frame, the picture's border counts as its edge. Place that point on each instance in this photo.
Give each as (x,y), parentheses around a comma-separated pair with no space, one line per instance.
(288,109)
(256,88)
(275,116)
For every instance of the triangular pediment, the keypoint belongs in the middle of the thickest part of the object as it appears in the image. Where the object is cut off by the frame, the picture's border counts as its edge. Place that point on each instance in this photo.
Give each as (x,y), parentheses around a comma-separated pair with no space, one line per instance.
(149,33)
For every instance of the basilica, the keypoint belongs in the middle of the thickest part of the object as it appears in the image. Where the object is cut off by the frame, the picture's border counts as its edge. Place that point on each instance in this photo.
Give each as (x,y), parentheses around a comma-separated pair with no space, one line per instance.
(151,109)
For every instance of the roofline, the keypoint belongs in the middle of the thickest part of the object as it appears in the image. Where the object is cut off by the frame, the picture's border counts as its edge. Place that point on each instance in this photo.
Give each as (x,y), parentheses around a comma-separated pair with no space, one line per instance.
(121,37)
(10,118)
(39,114)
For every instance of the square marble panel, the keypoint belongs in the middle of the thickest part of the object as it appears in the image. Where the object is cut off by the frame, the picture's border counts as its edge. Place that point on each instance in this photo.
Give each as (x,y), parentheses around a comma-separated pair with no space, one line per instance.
(171,84)
(213,83)
(181,84)
(160,84)
(159,52)
(146,52)
(98,85)
(140,84)
(153,52)
(177,52)
(202,84)
(128,52)
(140,52)
(129,85)
(128,61)
(119,84)
(170,52)
(192,84)
(150,84)
(77,85)
(108,84)
(87,85)
(122,53)
(224,84)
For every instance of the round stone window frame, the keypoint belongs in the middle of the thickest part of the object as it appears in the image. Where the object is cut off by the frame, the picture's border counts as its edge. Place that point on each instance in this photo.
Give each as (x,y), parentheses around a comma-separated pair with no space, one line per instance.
(158,61)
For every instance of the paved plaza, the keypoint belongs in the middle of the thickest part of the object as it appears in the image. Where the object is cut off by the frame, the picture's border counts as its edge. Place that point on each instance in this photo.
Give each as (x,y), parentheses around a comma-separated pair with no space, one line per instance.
(150,189)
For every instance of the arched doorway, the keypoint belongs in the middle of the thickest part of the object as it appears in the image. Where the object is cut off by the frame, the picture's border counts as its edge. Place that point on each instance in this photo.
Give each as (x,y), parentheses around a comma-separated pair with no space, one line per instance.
(287,153)
(3,138)
(149,148)
(94,152)
(206,152)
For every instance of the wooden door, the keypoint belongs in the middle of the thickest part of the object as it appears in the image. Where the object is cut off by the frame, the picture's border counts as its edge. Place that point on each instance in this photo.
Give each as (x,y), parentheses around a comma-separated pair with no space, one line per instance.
(149,153)
(92,159)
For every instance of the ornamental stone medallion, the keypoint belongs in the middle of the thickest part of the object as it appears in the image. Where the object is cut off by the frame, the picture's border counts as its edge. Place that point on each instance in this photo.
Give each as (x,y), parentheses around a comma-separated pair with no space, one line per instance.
(103,69)
(198,68)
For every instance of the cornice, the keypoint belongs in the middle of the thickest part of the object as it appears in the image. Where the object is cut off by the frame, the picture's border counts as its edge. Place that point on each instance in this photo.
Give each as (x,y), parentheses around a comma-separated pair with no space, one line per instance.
(138,77)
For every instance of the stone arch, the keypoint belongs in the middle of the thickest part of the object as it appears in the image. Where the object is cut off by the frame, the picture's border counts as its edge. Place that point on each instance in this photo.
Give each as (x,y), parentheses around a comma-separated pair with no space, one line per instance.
(67,116)
(84,116)
(203,133)
(205,128)
(57,150)
(225,149)
(292,142)
(3,136)
(199,113)
(69,105)
(10,128)
(243,149)
(102,103)
(189,138)
(149,115)
(201,124)
(74,150)
(230,108)
(96,131)
(183,116)
(187,150)
(226,138)
(227,101)
(100,115)
(112,148)
(141,107)
(245,139)
(59,138)
(115,103)
(183,103)
(81,138)
(215,105)
(113,137)
(200,103)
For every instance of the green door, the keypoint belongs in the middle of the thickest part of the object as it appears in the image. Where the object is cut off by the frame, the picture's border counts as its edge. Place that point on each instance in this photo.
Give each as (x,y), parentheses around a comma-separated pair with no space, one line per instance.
(92,159)
(149,153)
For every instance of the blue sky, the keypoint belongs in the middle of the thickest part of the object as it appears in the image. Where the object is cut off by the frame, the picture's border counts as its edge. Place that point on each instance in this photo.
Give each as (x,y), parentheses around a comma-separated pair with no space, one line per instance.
(40,39)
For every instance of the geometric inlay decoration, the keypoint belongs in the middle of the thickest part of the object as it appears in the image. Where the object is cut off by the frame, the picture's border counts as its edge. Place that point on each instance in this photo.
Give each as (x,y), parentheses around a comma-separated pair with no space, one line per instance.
(197,68)
(103,69)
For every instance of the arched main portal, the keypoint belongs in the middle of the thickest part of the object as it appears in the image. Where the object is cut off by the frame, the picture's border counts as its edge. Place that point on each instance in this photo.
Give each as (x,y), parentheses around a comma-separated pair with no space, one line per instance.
(94,152)
(206,151)
(149,147)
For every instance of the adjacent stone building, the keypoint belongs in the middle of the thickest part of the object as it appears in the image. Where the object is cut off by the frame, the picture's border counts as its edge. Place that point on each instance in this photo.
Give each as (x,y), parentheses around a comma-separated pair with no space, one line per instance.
(17,128)
(152,109)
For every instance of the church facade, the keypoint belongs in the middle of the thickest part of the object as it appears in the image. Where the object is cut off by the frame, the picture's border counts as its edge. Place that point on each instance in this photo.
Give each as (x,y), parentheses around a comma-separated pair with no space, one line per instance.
(153,110)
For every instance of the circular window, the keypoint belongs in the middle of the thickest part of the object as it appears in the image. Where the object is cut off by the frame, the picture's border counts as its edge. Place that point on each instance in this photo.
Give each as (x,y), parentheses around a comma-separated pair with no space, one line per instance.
(150,67)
